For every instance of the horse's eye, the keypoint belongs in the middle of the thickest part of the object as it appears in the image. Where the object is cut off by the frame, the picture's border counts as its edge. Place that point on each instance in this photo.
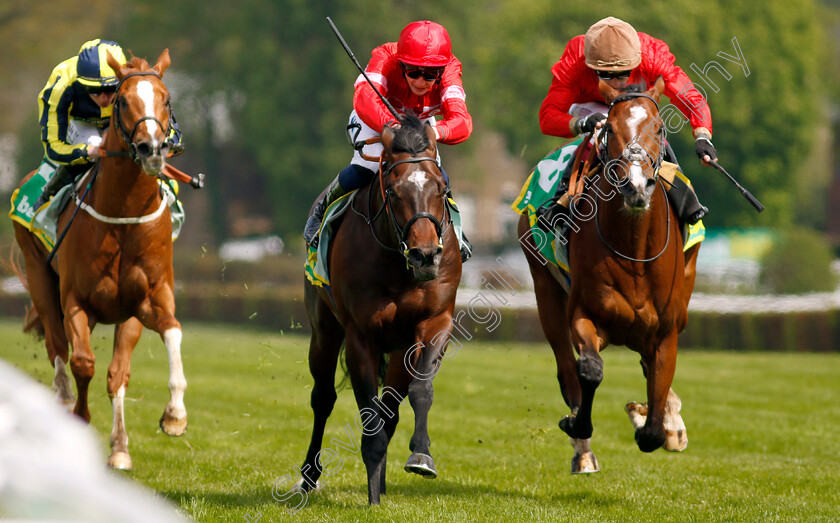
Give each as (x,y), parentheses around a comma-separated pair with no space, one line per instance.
(390,193)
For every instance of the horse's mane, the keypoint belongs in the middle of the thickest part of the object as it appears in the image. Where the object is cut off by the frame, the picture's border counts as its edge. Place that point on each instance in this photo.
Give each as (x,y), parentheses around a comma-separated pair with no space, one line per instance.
(137,64)
(634,88)
(410,137)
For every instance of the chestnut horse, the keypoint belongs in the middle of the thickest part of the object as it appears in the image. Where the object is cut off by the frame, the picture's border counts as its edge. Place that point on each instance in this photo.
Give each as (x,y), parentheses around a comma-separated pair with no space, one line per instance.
(630,280)
(395,266)
(115,263)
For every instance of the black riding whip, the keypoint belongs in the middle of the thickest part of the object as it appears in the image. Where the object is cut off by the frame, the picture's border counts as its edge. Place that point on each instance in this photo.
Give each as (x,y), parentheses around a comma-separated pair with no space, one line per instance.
(352,57)
(750,198)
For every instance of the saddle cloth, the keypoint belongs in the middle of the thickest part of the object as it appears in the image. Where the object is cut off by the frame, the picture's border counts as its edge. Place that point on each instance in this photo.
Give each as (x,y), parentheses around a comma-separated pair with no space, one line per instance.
(540,187)
(43,222)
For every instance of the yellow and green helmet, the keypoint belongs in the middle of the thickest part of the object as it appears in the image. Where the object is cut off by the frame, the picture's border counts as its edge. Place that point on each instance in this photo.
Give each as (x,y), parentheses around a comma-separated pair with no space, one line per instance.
(92,69)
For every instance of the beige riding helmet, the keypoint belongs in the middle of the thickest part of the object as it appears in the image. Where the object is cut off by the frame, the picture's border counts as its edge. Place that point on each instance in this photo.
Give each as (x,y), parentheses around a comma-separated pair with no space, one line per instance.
(612,45)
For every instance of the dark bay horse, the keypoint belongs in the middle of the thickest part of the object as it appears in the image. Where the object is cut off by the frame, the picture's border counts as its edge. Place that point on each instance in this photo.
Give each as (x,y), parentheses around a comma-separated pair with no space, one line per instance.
(630,280)
(395,266)
(115,263)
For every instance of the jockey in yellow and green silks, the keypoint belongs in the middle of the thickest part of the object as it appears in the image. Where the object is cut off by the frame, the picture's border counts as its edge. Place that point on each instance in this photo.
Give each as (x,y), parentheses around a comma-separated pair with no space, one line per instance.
(74,109)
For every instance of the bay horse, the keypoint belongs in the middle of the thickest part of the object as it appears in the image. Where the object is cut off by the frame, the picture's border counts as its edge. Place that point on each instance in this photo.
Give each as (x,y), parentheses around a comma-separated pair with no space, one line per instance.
(630,279)
(115,263)
(395,266)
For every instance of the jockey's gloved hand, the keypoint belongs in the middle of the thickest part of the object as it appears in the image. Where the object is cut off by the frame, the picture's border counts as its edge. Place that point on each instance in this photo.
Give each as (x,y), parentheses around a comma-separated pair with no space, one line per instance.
(703,146)
(587,125)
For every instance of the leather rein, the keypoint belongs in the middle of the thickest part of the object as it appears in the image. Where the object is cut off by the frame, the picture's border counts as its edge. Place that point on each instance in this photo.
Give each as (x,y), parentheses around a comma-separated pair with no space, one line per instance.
(441,224)
(577,181)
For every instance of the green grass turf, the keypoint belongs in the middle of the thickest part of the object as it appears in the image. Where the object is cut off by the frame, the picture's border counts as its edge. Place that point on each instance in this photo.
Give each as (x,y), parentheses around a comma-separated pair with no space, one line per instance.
(762,427)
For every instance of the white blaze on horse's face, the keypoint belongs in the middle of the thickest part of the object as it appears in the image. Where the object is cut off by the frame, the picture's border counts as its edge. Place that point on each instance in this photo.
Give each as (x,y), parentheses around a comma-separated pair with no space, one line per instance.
(146,92)
(419,178)
(638,114)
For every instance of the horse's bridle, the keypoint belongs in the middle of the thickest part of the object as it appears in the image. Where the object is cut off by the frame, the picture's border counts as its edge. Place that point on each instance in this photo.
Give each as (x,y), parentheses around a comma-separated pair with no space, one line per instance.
(127,137)
(656,163)
(385,169)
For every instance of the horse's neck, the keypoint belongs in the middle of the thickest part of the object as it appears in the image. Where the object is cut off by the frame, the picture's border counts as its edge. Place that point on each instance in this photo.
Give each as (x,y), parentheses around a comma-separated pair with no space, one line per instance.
(370,204)
(633,234)
(121,188)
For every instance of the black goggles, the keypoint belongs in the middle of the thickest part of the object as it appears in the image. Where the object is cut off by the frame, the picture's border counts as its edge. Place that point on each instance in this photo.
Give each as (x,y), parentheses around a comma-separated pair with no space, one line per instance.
(428,74)
(613,75)
(96,90)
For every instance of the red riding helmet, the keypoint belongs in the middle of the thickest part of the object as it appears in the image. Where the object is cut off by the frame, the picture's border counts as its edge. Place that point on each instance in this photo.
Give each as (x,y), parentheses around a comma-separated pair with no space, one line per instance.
(424,44)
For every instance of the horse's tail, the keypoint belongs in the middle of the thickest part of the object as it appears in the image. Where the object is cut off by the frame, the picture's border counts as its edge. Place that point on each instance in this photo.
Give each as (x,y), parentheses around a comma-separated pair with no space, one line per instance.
(345,380)
(31,321)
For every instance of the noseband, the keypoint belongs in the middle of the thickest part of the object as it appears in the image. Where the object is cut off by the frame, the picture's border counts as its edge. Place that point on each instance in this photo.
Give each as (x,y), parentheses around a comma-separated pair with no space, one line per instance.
(387,206)
(127,137)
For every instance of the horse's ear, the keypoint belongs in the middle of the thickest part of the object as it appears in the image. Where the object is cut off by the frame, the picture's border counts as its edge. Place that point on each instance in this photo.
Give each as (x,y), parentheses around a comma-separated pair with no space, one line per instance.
(387,138)
(162,62)
(114,64)
(606,91)
(432,135)
(657,89)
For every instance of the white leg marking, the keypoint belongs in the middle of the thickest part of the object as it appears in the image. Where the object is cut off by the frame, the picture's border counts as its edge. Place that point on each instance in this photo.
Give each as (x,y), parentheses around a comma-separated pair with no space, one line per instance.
(177,381)
(61,382)
(584,460)
(119,437)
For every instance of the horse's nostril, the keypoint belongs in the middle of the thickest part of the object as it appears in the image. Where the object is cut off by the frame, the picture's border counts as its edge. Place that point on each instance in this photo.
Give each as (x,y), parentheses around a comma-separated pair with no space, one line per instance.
(144,150)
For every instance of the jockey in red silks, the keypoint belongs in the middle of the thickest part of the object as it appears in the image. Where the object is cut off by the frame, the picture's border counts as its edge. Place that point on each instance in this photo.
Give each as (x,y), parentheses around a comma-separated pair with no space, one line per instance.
(613,52)
(417,74)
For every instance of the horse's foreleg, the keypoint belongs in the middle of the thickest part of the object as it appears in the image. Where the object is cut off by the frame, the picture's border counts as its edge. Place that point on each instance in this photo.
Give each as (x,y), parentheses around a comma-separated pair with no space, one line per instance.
(660,364)
(158,314)
(324,349)
(590,373)
(173,421)
(126,335)
(395,390)
(423,361)
(363,366)
(77,328)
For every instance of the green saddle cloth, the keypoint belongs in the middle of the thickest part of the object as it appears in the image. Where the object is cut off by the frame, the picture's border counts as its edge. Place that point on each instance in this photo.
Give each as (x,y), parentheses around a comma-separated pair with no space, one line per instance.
(42,222)
(540,187)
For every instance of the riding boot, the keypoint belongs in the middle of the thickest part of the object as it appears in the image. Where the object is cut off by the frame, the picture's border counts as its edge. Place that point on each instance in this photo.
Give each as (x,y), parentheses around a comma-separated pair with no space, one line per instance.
(313,224)
(62,176)
(682,196)
(466,247)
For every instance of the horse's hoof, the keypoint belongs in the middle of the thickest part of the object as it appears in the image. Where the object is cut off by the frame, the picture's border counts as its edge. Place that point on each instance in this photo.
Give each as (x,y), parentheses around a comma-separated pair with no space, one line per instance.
(584,460)
(637,412)
(173,426)
(299,486)
(119,461)
(675,440)
(422,464)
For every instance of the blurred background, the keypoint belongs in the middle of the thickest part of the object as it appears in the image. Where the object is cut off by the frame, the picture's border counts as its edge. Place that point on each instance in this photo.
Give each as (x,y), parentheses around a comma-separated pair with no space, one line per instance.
(262,90)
